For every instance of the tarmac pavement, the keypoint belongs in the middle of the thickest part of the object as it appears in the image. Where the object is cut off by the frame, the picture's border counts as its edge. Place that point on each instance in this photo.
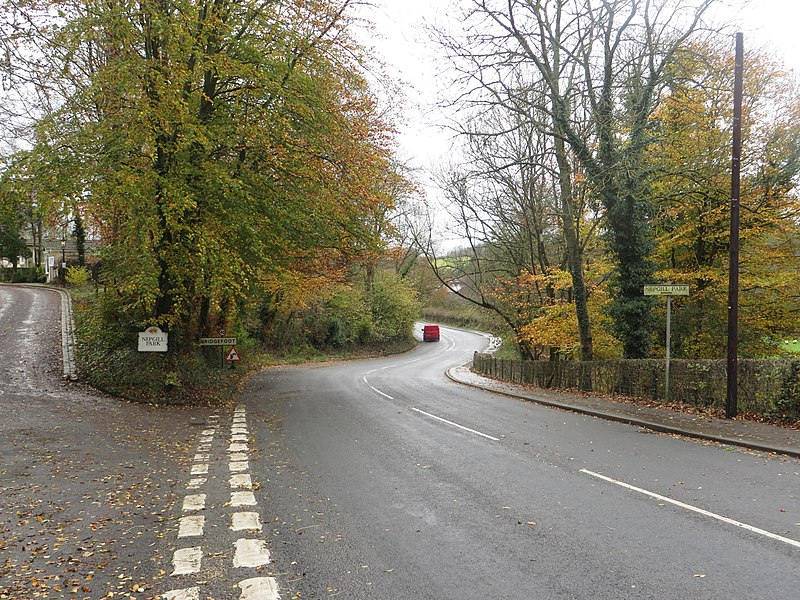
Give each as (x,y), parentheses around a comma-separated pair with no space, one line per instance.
(736,432)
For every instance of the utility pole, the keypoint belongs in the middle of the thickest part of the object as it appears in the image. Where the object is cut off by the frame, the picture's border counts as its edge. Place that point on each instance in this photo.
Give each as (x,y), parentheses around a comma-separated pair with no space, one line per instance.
(733,278)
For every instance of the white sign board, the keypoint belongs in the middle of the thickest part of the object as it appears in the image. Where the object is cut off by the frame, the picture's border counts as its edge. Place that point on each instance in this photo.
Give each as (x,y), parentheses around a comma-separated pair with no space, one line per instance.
(152,340)
(219,341)
(666,289)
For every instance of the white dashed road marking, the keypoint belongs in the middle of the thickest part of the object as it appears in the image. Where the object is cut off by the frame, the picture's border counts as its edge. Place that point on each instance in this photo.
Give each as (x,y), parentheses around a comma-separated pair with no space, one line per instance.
(248,553)
(251,553)
(196,483)
(189,594)
(246,521)
(243,499)
(191,526)
(475,431)
(187,560)
(194,502)
(199,469)
(241,480)
(238,466)
(259,588)
(701,511)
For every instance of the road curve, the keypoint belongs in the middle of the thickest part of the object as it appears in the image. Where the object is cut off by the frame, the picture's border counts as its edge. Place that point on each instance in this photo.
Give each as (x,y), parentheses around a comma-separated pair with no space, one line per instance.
(382,479)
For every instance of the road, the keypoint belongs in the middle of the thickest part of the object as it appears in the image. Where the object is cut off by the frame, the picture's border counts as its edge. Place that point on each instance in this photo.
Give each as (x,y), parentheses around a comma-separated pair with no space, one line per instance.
(88,484)
(376,479)
(382,479)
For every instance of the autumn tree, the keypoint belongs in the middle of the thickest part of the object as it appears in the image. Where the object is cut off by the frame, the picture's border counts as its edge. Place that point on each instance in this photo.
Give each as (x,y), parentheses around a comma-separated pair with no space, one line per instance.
(692,196)
(604,66)
(505,201)
(232,152)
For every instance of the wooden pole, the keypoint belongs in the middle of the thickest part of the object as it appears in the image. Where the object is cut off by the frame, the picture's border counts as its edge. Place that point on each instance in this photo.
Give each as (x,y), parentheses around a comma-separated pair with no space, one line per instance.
(733,279)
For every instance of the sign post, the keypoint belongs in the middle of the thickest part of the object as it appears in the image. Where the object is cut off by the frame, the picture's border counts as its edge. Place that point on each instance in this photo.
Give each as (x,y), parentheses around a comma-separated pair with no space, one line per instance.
(669,290)
(221,342)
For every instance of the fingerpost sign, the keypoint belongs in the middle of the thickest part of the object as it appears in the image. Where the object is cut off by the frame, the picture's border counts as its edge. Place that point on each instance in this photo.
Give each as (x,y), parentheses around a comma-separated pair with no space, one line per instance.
(669,290)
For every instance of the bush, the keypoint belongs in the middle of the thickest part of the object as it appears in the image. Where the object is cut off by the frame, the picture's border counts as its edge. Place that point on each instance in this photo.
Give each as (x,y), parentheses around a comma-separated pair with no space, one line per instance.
(394,306)
(77,276)
(29,275)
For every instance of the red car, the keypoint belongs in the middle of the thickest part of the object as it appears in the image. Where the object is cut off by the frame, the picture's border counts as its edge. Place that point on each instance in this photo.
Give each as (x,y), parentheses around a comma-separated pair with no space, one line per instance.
(430,333)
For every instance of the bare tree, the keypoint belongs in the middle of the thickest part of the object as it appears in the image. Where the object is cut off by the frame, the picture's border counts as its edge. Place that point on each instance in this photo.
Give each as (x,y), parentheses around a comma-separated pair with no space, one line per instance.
(504,204)
(603,64)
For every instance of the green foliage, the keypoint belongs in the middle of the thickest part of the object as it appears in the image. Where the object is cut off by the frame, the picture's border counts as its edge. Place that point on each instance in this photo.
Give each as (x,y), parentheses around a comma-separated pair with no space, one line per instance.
(108,359)
(78,276)
(352,314)
(254,162)
(767,388)
(394,307)
(29,275)
(12,244)
(692,198)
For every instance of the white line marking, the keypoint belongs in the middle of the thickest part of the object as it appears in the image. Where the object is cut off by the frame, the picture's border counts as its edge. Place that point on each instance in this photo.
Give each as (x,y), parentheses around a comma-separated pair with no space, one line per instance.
(187,560)
(251,553)
(191,526)
(194,502)
(455,424)
(238,429)
(187,594)
(201,457)
(243,499)
(237,456)
(259,588)
(239,437)
(206,439)
(245,521)
(238,466)
(196,483)
(380,392)
(241,480)
(199,469)
(237,447)
(210,432)
(695,509)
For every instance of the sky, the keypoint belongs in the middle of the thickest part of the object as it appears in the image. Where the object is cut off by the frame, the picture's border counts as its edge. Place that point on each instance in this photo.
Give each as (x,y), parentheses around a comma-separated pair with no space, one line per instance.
(399,39)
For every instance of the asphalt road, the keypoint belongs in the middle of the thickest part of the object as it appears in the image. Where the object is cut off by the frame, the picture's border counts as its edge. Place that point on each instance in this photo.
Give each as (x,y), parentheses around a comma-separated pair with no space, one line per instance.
(382,479)
(376,479)
(88,484)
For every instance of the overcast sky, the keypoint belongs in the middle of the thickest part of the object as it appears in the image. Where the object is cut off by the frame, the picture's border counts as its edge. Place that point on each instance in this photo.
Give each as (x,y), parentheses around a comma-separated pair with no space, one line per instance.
(400,39)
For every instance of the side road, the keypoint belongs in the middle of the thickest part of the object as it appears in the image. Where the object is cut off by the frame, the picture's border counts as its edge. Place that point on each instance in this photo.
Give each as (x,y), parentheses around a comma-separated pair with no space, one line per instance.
(748,434)
(67,328)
